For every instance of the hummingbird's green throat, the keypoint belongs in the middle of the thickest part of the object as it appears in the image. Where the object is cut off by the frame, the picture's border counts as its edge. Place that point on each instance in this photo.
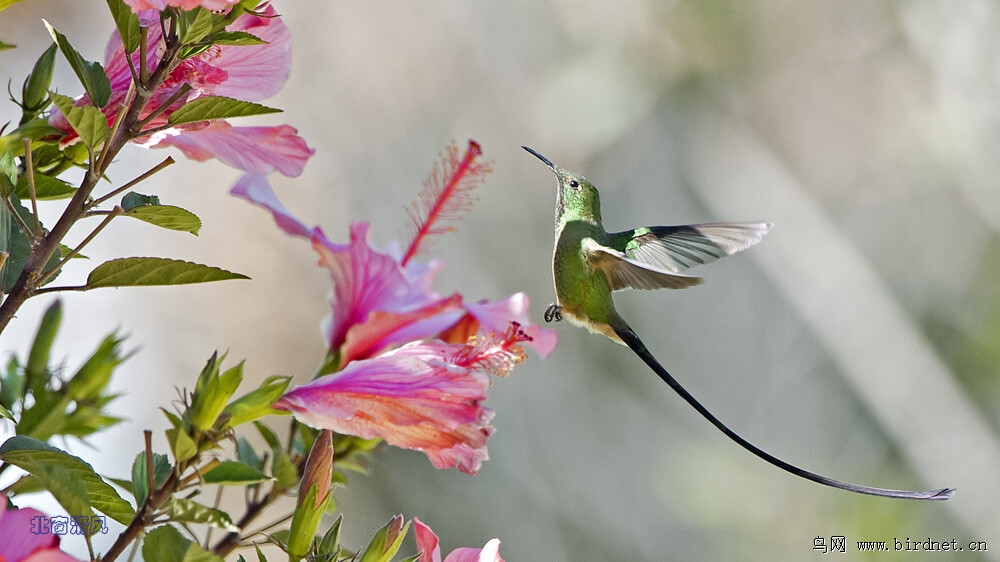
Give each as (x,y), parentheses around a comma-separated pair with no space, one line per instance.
(589,264)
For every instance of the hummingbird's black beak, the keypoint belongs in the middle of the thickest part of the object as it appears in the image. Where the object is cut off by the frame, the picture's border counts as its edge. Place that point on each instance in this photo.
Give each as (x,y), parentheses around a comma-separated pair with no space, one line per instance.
(540,157)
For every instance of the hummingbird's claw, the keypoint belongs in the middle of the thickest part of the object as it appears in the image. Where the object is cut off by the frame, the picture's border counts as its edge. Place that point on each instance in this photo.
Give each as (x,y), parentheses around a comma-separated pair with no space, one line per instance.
(553,312)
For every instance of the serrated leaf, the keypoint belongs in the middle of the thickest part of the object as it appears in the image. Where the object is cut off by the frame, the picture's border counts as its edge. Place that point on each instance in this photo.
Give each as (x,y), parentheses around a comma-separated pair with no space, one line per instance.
(47,188)
(140,477)
(91,74)
(86,120)
(167,216)
(195,25)
(188,511)
(234,473)
(127,23)
(38,458)
(133,199)
(136,272)
(217,107)
(241,38)
(166,544)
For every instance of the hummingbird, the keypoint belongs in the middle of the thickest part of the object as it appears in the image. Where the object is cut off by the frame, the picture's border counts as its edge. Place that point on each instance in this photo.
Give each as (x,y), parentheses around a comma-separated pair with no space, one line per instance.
(589,264)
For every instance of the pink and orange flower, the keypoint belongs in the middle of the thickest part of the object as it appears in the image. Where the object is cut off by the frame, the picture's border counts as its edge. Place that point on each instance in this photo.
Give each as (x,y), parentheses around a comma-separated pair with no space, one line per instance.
(21,541)
(413,367)
(246,72)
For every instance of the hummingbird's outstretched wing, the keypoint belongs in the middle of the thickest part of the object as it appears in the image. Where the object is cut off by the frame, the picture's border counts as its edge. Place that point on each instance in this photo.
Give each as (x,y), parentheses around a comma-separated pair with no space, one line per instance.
(622,271)
(676,248)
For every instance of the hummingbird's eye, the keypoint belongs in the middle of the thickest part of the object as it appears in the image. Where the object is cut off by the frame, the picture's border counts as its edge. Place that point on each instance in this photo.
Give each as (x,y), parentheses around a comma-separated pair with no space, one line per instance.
(574,183)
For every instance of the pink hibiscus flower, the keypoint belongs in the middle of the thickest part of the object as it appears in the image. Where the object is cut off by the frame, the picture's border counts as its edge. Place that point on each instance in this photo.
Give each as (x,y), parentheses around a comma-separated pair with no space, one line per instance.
(430,551)
(250,73)
(23,539)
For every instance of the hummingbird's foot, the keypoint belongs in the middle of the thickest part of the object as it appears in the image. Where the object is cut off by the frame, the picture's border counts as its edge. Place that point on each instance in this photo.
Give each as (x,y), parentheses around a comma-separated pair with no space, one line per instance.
(553,312)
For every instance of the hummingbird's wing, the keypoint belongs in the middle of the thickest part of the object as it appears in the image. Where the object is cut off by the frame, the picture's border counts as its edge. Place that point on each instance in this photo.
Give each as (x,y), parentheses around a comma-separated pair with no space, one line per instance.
(676,248)
(622,271)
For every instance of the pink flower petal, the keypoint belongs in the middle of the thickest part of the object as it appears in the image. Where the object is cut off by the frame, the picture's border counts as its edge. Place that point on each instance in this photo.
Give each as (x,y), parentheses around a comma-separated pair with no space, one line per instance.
(213,5)
(256,72)
(496,316)
(365,280)
(260,150)
(256,189)
(427,542)
(19,543)
(430,550)
(411,397)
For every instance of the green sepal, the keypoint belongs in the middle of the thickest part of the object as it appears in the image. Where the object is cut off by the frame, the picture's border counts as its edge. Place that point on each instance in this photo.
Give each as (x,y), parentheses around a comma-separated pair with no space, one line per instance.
(181,444)
(127,23)
(136,272)
(257,403)
(86,120)
(140,478)
(305,521)
(167,216)
(212,392)
(183,510)
(72,481)
(386,541)
(217,107)
(234,473)
(5,413)
(35,90)
(166,544)
(330,544)
(91,74)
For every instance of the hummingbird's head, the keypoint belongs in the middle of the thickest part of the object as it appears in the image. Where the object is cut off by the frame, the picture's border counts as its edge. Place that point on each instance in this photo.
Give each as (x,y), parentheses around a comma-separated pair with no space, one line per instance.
(577,198)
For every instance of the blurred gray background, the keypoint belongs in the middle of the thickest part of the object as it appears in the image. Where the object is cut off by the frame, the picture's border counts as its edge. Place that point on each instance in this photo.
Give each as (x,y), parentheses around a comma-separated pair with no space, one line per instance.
(860,339)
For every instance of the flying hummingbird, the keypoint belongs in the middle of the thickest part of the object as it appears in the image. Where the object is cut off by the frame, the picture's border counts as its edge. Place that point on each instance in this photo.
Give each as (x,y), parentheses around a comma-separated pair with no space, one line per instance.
(588,264)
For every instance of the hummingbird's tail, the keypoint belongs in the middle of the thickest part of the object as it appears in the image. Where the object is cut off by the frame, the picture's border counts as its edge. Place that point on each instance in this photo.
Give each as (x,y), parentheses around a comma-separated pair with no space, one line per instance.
(629,337)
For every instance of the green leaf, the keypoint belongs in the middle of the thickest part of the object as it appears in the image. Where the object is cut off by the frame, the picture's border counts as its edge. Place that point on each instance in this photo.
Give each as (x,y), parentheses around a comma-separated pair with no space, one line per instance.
(92,378)
(246,455)
(195,25)
(166,544)
(91,74)
(36,369)
(234,473)
(132,200)
(331,539)
(8,173)
(127,23)
(167,216)
(47,188)
(4,4)
(217,107)
(241,38)
(283,469)
(188,511)
(135,272)
(257,403)
(52,466)
(140,478)
(181,444)
(86,120)
(5,46)
(11,383)
(46,417)
(270,437)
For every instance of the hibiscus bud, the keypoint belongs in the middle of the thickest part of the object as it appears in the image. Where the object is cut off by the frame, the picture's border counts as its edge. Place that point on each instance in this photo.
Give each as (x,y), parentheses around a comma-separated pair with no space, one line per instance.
(319,468)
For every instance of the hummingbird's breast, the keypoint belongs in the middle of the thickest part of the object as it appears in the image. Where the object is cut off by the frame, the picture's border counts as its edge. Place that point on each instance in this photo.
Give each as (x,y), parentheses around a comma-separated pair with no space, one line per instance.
(583,293)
